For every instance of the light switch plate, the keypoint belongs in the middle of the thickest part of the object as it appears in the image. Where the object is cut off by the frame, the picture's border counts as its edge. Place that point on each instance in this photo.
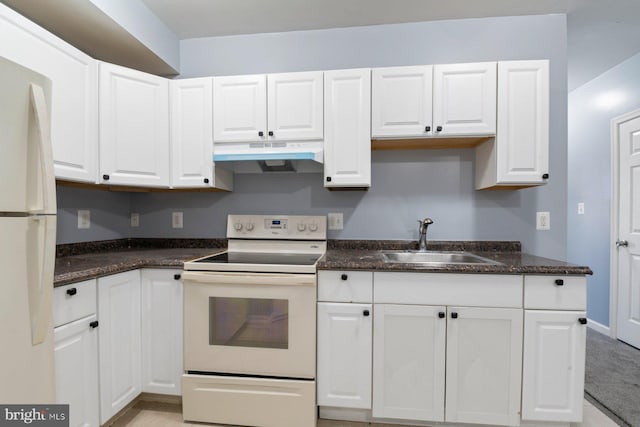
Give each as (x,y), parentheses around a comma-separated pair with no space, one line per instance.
(543,221)
(581,208)
(135,219)
(335,221)
(176,220)
(84,219)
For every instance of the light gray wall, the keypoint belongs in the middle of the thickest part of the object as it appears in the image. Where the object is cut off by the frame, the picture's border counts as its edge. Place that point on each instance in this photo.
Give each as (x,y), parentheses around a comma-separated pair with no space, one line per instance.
(109,214)
(441,184)
(589,236)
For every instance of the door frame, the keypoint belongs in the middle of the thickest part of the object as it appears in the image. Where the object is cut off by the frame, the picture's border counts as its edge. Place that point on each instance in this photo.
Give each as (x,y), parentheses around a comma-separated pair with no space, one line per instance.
(616,122)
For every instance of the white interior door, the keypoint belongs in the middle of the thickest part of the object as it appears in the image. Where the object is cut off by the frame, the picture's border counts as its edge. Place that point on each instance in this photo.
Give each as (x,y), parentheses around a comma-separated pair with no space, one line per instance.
(627,139)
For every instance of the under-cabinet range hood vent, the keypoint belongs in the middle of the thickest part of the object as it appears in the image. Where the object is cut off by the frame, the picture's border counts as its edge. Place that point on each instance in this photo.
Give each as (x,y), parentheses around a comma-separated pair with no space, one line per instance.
(257,157)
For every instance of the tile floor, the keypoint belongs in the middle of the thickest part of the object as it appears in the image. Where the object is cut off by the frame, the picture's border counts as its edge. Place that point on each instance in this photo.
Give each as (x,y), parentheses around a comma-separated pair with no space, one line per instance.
(157,414)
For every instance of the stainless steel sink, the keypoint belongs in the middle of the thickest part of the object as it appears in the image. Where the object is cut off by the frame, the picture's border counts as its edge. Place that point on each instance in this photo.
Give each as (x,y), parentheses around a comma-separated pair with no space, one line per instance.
(435,258)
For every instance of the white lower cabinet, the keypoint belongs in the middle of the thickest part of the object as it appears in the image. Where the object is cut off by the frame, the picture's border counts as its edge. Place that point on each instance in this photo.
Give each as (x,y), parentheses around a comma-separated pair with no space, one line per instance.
(482,363)
(344,355)
(161,331)
(120,338)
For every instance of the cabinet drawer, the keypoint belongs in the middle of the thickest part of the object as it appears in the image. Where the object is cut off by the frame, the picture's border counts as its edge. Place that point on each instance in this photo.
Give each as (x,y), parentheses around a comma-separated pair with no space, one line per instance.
(555,292)
(345,286)
(471,290)
(74,301)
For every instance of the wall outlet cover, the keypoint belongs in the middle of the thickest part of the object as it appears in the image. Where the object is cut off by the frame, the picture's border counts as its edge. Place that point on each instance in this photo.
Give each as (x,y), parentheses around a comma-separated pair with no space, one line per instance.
(335,221)
(543,221)
(84,219)
(176,220)
(135,219)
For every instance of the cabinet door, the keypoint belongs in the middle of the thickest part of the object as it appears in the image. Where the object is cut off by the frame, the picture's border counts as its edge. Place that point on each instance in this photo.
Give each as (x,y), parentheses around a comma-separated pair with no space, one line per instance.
(553,371)
(74,76)
(295,106)
(119,315)
(344,355)
(161,331)
(401,102)
(134,127)
(191,132)
(240,108)
(484,361)
(464,99)
(522,140)
(76,359)
(347,128)
(409,362)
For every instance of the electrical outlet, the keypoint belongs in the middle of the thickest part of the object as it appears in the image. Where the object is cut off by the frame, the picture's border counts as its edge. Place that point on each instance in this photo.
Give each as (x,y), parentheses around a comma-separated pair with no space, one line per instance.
(176,219)
(335,221)
(84,219)
(543,221)
(135,219)
(581,208)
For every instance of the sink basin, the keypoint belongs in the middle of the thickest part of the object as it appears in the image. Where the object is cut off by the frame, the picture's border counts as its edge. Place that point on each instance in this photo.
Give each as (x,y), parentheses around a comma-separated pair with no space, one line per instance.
(435,258)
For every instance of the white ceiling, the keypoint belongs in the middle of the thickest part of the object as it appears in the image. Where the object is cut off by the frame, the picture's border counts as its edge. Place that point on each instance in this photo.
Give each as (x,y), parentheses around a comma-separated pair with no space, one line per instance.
(601,33)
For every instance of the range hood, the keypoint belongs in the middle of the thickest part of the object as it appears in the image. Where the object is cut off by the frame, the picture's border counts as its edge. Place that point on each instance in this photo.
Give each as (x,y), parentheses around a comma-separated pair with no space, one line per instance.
(257,157)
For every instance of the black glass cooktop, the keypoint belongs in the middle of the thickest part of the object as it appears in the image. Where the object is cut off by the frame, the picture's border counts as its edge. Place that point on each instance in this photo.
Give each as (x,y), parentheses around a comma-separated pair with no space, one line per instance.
(261,258)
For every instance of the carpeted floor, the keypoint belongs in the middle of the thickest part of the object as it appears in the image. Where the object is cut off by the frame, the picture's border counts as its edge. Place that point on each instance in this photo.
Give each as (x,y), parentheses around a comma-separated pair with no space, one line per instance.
(612,379)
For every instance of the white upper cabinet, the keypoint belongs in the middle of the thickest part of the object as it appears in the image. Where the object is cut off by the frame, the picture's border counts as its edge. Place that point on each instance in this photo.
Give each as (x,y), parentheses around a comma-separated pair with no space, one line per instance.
(464,99)
(347,128)
(401,101)
(134,127)
(74,113)
(274,107)
(519,154)
(440,100)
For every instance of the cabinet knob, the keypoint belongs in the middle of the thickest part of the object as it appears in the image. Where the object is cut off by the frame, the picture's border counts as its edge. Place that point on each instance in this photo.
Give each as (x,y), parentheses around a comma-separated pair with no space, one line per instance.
(270,133)
(94,324)
(441,314)
(439,129)
(177,276)
(71,292)
(260,133)
(105,177)
(582,320)
(344,277)
(559,282)
(545,176)
(206,180)
(365,313)
(454,315)
(328,179)
(427,129)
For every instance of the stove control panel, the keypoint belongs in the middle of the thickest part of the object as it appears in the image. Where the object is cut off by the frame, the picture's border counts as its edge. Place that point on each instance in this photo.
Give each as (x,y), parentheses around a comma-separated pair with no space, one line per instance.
(296,227)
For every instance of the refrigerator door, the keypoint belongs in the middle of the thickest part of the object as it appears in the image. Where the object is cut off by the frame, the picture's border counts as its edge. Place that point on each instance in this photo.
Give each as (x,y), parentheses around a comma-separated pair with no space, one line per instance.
(27,180)
(27,255)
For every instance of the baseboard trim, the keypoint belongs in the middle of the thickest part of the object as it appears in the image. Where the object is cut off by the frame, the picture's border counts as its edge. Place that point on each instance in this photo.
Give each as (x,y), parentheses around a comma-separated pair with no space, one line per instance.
(599,327)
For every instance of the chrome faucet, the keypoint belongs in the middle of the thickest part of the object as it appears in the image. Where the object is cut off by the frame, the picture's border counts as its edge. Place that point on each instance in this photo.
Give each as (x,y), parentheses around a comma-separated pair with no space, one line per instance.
(422,229)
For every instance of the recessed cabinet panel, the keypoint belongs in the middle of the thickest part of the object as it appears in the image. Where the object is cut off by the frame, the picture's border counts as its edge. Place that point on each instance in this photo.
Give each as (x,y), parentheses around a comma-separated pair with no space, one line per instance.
(401,102)
(295,106)
(344,355)
(240,108)
(347,128)
(554,361)
(134,127)
(464,99)
(409,361)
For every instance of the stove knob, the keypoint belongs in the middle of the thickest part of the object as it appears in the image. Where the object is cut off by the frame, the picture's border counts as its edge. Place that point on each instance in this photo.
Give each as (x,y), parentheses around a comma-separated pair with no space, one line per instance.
(313,227)
(249,226)
(237,226)
(301,226)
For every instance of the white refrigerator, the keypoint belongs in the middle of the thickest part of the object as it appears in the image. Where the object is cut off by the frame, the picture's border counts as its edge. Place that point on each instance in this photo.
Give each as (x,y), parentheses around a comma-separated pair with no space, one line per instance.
(27,237)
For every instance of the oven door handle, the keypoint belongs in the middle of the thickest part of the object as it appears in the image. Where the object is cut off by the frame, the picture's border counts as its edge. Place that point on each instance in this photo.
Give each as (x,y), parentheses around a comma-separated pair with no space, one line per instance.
(249,278)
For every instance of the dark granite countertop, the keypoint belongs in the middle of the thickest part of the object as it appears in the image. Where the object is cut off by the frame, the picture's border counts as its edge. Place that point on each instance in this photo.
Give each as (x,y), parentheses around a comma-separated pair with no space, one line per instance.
(80,262)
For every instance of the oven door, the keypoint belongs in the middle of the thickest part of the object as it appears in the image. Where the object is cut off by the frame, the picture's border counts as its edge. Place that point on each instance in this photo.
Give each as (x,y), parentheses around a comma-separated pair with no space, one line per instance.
(250,323)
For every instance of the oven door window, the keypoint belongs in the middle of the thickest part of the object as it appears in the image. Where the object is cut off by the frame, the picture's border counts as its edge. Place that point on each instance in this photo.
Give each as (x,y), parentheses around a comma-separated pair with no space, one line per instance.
(249,322)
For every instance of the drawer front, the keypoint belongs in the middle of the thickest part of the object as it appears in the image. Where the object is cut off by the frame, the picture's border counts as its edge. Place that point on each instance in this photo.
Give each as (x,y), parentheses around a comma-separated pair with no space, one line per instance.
(345,286)
(555,292)
(470,290)
(74,301)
